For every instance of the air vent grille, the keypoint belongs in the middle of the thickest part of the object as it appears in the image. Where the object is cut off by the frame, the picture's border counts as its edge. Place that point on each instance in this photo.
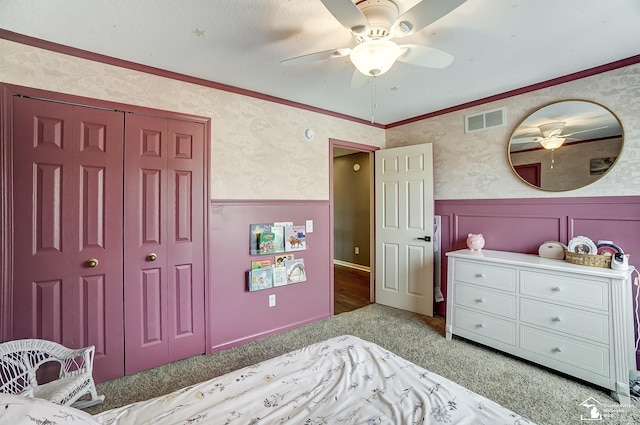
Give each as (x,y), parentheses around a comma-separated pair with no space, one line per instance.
(485,120)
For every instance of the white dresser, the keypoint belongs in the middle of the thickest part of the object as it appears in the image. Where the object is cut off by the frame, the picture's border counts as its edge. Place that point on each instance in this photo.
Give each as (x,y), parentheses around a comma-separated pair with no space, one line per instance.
(575,319)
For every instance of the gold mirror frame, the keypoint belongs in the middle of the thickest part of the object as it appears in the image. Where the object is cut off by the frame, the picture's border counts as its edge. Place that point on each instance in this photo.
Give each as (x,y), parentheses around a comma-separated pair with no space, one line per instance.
(583,142)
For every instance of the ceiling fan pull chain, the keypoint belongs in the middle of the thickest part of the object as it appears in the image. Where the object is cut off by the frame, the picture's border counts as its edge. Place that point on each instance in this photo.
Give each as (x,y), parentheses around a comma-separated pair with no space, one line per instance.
(373,99)
(552,159)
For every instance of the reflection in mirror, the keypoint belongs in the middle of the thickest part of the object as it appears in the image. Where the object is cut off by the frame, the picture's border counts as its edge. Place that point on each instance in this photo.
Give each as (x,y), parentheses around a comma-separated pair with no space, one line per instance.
(565,145)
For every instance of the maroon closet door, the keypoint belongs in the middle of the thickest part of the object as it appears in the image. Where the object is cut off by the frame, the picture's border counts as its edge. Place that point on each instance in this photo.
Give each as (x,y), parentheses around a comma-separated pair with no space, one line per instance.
(164,241)
(67,209)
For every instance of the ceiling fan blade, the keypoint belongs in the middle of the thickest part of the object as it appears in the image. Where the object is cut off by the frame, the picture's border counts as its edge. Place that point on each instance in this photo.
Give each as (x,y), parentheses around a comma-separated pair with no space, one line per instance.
(347,13)
(584,131)
(523,140)
(425,56)
(421,15)
(317,56)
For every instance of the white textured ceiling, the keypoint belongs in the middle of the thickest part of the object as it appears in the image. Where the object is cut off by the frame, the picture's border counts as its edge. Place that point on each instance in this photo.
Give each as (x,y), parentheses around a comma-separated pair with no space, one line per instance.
(499,45)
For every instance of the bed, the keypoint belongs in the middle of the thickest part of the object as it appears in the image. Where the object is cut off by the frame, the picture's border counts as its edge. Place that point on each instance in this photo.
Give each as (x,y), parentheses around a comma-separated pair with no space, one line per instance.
(343,380)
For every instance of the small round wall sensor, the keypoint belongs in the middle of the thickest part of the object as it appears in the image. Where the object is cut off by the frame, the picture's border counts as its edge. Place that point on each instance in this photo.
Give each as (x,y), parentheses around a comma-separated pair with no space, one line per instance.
(356,167)
(308,134)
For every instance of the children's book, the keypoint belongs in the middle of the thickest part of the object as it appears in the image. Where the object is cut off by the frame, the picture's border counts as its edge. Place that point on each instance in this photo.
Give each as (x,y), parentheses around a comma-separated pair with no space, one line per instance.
(295,270)
(278,238)
(266,243)
(278,260)
(283,223)
(260,264)
(254,231)
(260,279)
(294,238)
(279,276)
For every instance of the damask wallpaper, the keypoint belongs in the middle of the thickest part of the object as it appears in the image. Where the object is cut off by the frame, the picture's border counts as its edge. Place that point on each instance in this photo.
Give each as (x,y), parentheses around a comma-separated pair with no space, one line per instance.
(258,150)
(475,165)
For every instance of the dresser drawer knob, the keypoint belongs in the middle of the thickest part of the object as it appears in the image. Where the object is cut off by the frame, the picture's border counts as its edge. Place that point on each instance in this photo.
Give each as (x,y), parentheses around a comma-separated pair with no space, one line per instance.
(557,319)
(480,300)
(480,325)
(558,350)
(480,275)
(556,289)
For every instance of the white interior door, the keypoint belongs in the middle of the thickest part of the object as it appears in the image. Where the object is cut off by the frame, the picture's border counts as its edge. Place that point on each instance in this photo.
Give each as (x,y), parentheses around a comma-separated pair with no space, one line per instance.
(404,219)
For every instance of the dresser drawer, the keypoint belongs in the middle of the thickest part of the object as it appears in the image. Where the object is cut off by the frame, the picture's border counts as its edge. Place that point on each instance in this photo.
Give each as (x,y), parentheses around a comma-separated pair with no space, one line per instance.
(486,275)
(483,299)
(583,355)
(565,289)
(487,326)
(579,323)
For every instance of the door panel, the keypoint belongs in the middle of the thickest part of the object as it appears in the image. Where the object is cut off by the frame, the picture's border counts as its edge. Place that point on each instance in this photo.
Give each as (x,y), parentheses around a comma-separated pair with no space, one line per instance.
(45,311)
(67,201)
(97,234)
(404,213)
(164,268)
(153,322)
(145,276)
(93,291)
(185,246)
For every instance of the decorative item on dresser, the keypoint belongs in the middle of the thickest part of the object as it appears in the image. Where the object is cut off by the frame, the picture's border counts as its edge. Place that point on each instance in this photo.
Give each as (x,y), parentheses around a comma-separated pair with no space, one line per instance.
(475,242)
(571,318)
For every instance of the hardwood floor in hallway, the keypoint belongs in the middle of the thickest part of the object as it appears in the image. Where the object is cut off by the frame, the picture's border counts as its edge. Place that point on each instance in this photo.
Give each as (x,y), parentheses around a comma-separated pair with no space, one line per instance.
(351,289)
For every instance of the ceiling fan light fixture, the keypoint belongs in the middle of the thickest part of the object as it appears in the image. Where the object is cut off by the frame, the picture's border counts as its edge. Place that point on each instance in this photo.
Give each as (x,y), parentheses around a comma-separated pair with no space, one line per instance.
(552,129)
(374,57)
(551,142)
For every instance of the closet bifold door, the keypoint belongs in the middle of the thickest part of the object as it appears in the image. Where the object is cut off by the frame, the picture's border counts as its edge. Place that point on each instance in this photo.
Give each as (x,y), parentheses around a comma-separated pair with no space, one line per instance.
(68,245)
(164,241)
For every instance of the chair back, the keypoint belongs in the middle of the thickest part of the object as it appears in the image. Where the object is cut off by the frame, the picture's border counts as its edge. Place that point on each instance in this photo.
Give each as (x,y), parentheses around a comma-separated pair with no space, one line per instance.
(20,360)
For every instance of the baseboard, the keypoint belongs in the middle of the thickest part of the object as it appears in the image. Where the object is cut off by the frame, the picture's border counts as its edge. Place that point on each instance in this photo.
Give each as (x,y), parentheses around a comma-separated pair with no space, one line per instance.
(352,265)
(260,335)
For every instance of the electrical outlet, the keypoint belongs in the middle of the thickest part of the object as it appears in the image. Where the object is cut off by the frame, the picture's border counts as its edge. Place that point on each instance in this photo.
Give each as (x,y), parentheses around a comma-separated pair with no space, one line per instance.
(356,250)
(272,300)
(309,226)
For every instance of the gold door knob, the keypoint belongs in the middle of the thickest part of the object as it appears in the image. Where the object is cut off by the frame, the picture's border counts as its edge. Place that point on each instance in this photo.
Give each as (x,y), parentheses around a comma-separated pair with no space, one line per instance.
(152,256)
(92,262)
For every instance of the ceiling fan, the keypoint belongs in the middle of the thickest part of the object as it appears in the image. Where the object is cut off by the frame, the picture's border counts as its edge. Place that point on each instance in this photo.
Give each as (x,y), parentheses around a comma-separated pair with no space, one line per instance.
(374,23)
(551,135)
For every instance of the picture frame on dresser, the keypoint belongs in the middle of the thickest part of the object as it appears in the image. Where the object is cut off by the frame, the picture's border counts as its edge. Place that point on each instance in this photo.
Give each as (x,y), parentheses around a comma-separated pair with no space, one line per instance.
(572,318)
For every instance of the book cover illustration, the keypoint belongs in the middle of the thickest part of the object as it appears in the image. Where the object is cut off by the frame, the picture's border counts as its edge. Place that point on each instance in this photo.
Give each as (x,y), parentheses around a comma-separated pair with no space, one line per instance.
(278,237)
(294,238)
(260,279)
(266,243)
(295,270)
(260,264)
(254,231)
(278,260)
(279,276)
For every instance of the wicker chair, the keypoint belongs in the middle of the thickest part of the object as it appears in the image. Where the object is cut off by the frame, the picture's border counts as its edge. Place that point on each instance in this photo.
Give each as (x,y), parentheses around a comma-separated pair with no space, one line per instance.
(20,360)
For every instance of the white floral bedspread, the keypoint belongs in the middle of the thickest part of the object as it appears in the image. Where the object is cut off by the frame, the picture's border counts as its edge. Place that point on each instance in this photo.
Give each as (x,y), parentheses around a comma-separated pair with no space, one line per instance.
(344,380)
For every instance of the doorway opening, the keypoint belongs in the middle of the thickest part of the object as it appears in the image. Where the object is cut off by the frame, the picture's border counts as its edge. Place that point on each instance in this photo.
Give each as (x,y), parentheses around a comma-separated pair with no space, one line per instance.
(352,202)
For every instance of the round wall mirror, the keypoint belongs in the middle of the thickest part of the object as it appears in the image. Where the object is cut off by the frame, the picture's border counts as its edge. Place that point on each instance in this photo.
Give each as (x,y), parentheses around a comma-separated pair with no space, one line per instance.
(565,145)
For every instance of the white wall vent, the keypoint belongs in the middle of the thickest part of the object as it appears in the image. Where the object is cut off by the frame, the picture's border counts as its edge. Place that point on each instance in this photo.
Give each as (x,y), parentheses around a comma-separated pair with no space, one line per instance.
(485,120)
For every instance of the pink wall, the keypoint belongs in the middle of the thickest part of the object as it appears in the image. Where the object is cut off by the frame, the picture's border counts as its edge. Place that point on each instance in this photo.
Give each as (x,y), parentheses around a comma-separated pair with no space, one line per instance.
(238,316)
(522,225)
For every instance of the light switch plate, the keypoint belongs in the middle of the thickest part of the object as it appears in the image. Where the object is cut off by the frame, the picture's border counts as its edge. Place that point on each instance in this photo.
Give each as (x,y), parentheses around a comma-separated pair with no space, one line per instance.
(309,226)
